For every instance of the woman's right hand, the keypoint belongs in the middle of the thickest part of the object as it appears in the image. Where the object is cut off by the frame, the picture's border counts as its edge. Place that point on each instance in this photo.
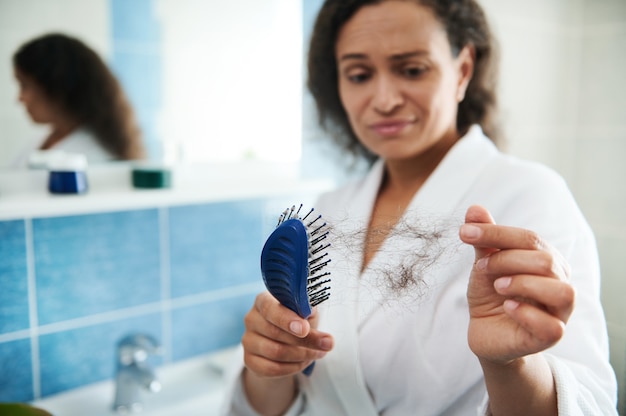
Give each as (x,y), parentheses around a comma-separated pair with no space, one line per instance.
(277,342)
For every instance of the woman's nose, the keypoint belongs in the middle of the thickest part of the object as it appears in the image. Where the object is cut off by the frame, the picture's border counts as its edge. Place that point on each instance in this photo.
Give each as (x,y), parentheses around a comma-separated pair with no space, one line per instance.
(388,96)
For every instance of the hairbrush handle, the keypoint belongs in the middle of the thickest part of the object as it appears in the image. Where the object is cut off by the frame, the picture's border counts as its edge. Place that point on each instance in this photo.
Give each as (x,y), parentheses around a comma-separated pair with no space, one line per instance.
(309,370)
(285,269)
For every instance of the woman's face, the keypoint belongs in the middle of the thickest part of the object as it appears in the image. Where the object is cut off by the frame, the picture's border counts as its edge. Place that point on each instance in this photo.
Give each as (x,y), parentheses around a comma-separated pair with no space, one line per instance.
(39,107)
(398,80)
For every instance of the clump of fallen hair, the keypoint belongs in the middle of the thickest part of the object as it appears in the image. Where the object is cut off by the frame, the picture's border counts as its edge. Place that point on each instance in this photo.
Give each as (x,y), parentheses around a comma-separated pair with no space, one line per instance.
(421,244)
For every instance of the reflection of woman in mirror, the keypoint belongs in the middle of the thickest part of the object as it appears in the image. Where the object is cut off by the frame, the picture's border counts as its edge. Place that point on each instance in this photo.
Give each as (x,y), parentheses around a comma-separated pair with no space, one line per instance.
(65,84)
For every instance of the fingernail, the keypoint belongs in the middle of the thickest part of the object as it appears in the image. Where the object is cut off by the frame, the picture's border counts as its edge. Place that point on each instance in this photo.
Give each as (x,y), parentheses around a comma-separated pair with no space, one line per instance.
(481,264)
(510,305)
(326,343)
(296,327)
(320,354)
(470,231)
(502,283)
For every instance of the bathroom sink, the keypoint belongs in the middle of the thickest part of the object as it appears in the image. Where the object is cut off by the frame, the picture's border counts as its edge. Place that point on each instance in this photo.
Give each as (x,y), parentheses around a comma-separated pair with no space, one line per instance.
(190,387)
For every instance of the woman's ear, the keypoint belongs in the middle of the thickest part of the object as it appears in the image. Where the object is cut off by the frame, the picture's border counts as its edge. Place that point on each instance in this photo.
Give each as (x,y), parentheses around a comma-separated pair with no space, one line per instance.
(465,61)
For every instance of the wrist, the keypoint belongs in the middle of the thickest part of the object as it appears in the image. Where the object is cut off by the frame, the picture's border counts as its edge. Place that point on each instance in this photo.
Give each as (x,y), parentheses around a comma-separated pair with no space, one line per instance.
(504,365)
(521,386)
(269,395)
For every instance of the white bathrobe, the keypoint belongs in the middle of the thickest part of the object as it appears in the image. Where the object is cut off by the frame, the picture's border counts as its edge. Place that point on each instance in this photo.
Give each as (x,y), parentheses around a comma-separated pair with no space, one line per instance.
(404,352)
(80,141)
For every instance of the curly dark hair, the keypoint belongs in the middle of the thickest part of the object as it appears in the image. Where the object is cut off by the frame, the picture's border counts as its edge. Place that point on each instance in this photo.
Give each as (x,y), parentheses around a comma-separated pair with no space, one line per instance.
(465,23)
(72,75)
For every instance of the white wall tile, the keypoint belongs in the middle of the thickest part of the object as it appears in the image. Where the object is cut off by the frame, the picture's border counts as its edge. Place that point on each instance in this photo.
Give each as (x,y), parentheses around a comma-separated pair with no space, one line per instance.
(603,100)
(549,146)
(603,12)
(550,12)
(617,334)
(538,72)
(612,249)
(601,181)
(540,55)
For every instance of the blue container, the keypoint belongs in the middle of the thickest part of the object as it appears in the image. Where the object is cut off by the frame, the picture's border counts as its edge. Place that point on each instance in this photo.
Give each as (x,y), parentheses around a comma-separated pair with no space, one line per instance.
(67,182)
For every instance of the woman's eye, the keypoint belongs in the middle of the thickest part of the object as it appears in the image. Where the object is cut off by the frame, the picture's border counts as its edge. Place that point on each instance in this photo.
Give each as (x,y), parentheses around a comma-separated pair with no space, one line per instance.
(358,78)
(413,72)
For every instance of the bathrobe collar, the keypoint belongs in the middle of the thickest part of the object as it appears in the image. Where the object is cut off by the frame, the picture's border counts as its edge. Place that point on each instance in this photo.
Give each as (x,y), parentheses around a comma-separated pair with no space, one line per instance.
(448,183)
(437,199)
(440,195)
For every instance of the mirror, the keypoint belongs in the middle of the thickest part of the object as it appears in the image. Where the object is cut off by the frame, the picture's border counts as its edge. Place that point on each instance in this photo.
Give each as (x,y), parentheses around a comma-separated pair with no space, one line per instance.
(209,81)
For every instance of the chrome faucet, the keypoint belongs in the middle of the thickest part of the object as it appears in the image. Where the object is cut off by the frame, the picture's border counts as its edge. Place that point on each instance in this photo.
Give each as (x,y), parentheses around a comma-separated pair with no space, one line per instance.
(134,373)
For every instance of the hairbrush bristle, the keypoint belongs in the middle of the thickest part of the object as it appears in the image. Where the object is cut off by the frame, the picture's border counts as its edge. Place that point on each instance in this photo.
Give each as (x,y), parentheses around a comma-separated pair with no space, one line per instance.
(317,281)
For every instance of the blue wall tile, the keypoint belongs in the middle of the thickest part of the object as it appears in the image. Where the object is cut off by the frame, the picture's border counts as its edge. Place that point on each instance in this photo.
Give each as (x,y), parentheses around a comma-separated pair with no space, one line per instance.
(203,328)
(13,277)
(140,73)
(73,358)
(137,61)
(310,9)
(215,246)
(16,378)
(89,264)
(134,20)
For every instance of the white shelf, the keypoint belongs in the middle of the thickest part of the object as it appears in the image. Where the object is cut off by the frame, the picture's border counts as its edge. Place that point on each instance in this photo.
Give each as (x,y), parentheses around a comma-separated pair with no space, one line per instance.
(24,194)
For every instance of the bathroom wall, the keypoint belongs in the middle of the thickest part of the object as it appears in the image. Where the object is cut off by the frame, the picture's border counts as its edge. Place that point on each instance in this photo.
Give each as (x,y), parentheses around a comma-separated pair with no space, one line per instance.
(73,286)
(601,146)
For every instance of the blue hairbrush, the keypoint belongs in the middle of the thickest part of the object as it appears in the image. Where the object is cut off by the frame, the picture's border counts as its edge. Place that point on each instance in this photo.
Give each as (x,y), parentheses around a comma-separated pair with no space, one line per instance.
(292,263)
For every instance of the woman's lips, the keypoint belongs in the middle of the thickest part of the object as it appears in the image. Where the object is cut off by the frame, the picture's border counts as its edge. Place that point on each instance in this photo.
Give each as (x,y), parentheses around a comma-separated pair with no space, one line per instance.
(390,128)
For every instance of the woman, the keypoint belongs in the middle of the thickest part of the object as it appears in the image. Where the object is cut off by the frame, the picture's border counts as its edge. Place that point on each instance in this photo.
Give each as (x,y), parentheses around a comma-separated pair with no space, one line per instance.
(65,84)
(419,323)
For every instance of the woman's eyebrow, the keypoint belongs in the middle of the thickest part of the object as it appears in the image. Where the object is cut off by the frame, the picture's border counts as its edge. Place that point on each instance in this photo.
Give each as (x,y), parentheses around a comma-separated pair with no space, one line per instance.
(407,55)
(395,57)
(349,56)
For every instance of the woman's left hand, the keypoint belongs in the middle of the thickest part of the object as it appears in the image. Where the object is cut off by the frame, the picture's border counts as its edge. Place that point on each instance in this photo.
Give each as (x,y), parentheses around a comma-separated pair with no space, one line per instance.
(519,295)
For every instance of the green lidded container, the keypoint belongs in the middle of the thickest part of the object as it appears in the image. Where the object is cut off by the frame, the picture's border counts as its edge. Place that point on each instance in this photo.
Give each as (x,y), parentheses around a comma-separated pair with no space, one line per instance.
(151,177)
